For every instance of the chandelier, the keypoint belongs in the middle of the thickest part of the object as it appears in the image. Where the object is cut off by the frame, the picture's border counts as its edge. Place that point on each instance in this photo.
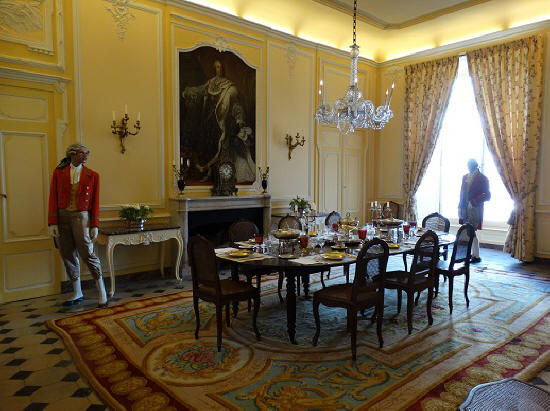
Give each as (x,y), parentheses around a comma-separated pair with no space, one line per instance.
(352,111)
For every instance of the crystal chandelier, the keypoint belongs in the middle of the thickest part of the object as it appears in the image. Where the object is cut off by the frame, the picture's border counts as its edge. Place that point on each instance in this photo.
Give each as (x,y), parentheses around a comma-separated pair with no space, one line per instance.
(353,112)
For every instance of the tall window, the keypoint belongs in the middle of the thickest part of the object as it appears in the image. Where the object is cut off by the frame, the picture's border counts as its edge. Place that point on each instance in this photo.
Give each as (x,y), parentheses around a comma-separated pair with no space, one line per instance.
(461,138)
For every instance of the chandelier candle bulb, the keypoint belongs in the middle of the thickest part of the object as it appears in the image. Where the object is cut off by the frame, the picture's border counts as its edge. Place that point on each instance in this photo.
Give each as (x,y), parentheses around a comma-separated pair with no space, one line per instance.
(125,108)
(114,116)
(139,116)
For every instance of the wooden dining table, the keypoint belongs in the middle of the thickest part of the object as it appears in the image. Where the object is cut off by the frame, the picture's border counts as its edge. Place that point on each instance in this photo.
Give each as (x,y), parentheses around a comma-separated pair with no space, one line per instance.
(291,268)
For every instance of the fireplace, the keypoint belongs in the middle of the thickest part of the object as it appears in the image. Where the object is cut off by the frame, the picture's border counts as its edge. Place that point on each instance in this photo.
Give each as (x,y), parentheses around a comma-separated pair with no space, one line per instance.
(211,216)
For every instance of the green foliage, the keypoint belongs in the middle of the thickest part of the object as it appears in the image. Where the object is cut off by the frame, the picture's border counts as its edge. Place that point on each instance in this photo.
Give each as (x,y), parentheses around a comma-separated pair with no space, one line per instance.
(134,212)
(300,203)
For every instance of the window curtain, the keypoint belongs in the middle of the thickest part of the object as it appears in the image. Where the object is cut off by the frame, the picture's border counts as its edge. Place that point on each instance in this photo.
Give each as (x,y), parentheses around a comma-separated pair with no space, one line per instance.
(508,87)
(428,87)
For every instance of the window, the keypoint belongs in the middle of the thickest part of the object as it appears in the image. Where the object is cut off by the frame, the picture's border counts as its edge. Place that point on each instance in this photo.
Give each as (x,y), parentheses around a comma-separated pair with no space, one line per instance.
(460,139)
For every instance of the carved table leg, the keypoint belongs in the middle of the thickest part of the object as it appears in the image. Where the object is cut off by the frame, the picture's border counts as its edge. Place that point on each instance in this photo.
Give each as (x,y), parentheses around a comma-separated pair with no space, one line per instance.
(235,277)
(110,254)
(305,282)
(162,258)
(177,268)
(291,305)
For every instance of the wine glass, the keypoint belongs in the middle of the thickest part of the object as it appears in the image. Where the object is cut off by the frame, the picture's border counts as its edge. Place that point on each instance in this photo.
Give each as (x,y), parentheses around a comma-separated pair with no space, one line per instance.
(413,227)
(406,228)
(259,239)
(362,233)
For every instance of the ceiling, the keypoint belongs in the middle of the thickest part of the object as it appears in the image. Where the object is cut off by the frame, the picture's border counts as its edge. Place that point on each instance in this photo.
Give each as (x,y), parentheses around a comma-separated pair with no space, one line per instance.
(387,29)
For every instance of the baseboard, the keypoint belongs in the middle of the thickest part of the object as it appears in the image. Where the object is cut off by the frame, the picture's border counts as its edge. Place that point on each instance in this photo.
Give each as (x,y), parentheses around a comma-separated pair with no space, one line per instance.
(492,246)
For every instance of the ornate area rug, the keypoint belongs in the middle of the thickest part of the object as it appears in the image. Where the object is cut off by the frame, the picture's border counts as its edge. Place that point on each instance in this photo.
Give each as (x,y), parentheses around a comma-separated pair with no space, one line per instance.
(142,355)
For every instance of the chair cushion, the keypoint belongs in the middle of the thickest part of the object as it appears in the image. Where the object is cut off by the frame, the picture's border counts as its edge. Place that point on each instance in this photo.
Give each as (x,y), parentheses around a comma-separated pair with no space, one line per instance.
(341,293)
(228,287)
(401,279)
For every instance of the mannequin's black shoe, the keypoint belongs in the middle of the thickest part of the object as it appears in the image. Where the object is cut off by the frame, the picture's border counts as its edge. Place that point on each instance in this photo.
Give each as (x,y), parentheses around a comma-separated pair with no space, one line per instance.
(72,302)
(105,304)
(475,260)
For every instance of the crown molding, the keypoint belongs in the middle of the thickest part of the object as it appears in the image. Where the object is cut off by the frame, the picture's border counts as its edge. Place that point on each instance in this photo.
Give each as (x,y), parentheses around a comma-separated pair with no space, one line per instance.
(273,33)
(462,46)
(19,74)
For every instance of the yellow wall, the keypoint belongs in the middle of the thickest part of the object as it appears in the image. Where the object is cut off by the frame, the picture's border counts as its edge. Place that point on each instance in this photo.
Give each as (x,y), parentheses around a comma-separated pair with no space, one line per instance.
(60,82)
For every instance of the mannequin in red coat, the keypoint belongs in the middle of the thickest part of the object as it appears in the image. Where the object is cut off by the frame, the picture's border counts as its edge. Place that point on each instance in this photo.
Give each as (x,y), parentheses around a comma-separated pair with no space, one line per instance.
(73,218)
(473,193)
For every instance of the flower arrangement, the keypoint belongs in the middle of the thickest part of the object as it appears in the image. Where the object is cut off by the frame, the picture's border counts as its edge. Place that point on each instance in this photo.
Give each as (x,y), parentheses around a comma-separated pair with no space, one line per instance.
(299,203)
(135,212)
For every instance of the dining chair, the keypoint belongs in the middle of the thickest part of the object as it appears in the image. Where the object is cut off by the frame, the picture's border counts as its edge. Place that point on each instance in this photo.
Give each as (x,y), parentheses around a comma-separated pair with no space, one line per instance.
(244,230)
(420,277)
(459,264)
(366,291)
(207,286)
(436,222)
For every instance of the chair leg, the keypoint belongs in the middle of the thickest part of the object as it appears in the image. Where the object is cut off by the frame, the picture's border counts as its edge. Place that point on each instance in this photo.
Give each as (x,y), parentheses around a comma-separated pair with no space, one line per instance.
(352,315)
(451,294)
(328,275)
(417,298)
(255,315)
(379,320)
(410,306)
(437,284)
(399,301)
(405,261)
(219,324)
(197,316)
(374,315)
(346,272)
(466,282)
(317,321)
(280,286)
(322,280)
(298,284)
(249,282)
(429,305)
(227,316)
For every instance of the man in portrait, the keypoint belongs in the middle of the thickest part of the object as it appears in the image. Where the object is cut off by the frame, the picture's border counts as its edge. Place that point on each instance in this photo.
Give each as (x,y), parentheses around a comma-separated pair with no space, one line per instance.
(217,128)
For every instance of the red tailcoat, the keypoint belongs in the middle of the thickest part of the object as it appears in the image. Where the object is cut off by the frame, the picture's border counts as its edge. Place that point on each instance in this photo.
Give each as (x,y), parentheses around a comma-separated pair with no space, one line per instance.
(476,195)
(87,198)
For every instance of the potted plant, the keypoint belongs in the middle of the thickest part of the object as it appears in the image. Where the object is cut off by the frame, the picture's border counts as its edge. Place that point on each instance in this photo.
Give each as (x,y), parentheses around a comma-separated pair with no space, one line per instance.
(299,204)
(135,214)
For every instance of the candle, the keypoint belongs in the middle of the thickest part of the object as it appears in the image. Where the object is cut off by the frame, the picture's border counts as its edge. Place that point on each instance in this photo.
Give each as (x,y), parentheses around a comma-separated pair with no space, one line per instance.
(181,161)
(321,93)
(386,100)
(188,162)
(139,116)
(114,118)
(391,93)
(388,204)
(125,108)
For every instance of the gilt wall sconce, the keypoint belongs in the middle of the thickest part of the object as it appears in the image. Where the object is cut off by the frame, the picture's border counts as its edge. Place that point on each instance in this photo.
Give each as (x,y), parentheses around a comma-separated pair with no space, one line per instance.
(120,129)
(291,146)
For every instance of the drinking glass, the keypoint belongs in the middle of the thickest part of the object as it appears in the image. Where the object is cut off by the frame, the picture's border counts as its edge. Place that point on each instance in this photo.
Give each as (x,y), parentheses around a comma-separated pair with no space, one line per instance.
(362,233)
(304,241)
(335,227)
(413,227)
(406,228)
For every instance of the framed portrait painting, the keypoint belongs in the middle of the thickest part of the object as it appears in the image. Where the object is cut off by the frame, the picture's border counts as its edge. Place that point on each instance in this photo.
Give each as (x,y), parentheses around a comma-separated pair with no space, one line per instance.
(217,114)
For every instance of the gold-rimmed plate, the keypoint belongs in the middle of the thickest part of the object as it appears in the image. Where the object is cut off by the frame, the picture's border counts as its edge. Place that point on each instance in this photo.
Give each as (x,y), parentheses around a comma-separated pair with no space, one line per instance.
(393,245)
(239,253)
(338,247)
(334,256)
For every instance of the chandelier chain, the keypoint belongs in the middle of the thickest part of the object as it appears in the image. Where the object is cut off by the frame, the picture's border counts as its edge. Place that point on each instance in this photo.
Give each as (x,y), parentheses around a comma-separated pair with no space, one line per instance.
(354,19)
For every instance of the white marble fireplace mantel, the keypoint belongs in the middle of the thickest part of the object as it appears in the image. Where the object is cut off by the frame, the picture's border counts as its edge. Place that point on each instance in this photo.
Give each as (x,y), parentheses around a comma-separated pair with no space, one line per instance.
(180,206)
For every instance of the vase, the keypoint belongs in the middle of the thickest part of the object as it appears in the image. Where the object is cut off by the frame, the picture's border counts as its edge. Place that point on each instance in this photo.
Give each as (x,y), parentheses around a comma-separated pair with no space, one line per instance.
(136,224)
(181,185)
(264,185)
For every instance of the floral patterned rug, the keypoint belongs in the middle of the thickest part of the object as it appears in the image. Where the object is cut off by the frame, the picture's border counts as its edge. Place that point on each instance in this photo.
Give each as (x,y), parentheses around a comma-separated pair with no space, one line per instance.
(142,355)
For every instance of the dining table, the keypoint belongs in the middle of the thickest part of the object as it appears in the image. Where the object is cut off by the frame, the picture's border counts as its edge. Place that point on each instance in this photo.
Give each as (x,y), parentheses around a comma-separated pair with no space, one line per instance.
(304,266)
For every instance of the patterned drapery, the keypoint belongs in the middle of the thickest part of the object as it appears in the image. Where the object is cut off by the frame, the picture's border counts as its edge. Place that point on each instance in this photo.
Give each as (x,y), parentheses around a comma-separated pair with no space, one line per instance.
(508,87)
(427,92)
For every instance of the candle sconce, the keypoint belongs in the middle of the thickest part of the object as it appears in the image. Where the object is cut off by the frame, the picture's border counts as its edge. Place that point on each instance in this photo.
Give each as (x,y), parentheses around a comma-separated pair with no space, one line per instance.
(291,146)
(121,129)
(181,174)
(263,176)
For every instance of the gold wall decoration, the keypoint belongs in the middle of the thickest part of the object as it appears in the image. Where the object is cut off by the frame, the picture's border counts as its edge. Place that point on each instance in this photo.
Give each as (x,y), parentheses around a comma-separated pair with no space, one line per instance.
(120,11)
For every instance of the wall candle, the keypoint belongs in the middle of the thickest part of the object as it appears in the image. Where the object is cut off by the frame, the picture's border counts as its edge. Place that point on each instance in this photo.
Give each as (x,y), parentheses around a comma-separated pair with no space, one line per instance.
(114,118)
(188,162)
(139,116)
(321,92)
(181,161)
(125,108)
(386,100)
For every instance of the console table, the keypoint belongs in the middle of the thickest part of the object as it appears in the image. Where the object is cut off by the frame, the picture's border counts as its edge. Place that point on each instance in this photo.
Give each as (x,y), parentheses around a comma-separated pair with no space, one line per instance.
(110,237)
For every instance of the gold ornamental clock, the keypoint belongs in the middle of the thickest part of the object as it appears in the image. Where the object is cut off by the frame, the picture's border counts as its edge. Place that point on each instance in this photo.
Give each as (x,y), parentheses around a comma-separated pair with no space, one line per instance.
(224,179)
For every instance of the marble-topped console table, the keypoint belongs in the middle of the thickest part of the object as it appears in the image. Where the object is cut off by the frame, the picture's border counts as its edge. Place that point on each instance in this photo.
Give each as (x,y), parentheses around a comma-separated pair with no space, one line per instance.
(182,206)
(154,233)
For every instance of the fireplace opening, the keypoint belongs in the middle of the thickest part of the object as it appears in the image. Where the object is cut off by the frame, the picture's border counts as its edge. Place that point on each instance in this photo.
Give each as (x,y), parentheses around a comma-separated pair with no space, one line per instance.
(213,224)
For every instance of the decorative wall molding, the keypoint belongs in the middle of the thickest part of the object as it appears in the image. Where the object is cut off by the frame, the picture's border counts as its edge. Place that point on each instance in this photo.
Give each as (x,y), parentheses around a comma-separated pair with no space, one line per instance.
(291,56)
(221,44)
(45,45)
(35,110)
(120,10)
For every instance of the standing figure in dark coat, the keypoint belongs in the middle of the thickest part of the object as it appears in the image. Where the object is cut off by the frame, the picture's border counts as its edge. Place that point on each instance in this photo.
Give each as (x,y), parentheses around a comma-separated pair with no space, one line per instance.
(473,193)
